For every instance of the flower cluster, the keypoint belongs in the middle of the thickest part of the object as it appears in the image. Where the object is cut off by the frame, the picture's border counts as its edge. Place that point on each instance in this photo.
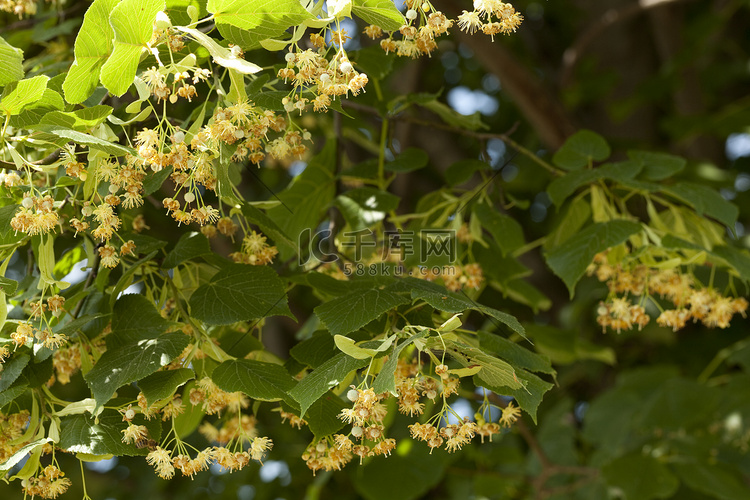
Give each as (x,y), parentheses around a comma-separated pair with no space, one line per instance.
(453,435)
(366,416)
(36,215)
(294,420)
(234,444)
(213,400)
(165,462)
(67,362)
(369,411)
(181,84)
(255,251)
(490,17)
(11,429)
(329,78)
(690,299)
(25,334)
(330,455)
(619,314)
(19,7)
(423,25)
(455,277)
(51,483)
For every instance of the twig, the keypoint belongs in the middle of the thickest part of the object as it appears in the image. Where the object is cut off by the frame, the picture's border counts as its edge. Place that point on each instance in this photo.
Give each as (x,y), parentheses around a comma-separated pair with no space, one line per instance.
(47,160)
(477,135)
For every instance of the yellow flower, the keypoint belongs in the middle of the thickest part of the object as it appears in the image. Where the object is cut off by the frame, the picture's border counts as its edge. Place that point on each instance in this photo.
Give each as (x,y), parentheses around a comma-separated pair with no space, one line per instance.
(510,415)
(108,255)
(259,446)
(134,433)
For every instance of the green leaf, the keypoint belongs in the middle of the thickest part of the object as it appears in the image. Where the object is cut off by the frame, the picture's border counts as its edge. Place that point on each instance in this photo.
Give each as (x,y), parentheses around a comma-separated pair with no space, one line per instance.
(738,259)
(515,354)
(348,346)
(316,350)
(673,406)
(374,199)
(323,415)
(706,201)
(580,150)
(153,181)
(640,477)
(326,376)
(566,346)
(305,201)
(386,379)
(92,48)
(6,215)
(657,166)
(576,215)
(265,18)
(78,408)
(462,170)
(32,114)
(134,318)
(523,292)
(8,286)
(126,279)
(11,63)
(240,292)
(259,380)
(80,120)
(21,94)
(102,435)
(71,327)
(268,227)
(237,343)
(189,246)
(131,362)
(506,231)
(529,397)
(80,138)
(715,481)
(133,23)
(570,260)
(562,187)
(451,302)
(381,13)
(363,207)
(409,160)
(136,347)
(493,374)
(221,55)
(374,62)
(12,393)
(161,385)
(245,39)
(12,370)
(353,311)
(19,455)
